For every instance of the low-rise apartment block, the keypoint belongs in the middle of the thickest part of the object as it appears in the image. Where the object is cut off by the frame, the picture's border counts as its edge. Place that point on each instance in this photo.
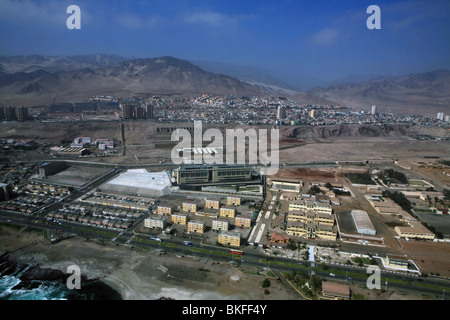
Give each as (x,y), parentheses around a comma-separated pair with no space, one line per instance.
(243,221)
(212,204)
(233,201)
(179,218)
(227,212)
(156,222)
(220,224)
(196,226)
(189,207)
(164,210)
(229,238)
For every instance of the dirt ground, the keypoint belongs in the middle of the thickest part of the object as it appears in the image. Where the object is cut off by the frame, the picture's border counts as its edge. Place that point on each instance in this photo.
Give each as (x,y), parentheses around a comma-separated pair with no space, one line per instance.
(364,149)
(328,174)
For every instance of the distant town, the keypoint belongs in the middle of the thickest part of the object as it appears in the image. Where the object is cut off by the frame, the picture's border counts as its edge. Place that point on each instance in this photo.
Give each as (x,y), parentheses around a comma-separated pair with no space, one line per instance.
(330,218)
(229,109)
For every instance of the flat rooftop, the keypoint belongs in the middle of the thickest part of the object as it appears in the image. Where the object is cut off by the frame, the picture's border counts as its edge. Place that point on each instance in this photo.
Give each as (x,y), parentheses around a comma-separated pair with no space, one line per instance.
(362,220)
(139,181)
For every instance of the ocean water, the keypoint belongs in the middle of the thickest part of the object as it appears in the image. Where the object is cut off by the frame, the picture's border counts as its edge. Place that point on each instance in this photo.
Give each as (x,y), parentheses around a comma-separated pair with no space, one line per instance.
(15,284)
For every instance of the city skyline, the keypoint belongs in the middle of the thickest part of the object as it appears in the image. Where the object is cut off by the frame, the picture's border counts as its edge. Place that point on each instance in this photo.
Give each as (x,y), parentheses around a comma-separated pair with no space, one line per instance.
(322,39)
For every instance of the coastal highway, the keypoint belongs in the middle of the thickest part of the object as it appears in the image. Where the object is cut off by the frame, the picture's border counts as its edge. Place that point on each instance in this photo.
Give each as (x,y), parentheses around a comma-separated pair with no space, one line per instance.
(252,257)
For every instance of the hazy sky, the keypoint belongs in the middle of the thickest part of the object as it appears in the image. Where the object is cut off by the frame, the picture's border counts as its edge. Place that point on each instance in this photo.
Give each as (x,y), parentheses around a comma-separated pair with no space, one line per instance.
(324,39)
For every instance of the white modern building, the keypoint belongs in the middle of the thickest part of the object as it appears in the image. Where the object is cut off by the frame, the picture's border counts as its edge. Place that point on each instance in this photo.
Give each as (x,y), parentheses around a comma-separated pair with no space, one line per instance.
(363,223)
(139,182)
(156,222)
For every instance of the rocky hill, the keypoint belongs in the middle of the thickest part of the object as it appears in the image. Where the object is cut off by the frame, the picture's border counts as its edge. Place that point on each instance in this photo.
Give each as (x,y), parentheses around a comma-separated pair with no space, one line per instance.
(164,75)
(424,93)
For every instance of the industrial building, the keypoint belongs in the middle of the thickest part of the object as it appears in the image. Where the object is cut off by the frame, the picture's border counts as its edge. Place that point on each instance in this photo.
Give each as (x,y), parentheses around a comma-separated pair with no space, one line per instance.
(287,186)
(363,223)
(415,230)
(61,107)
(203,174)
(4,192)
(139,182)
(51,168)
(69,151)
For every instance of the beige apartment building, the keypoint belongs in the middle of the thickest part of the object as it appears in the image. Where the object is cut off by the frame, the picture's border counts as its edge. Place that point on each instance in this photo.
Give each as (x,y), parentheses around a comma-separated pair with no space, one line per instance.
(196,226)
(212,204)
(189,207)
(180,218)
(243,221)
(164,210)
(311,230)
(220,224)
(227,212)
(233,201)
(310,205)
(310,219)
(229,238)
(307,216)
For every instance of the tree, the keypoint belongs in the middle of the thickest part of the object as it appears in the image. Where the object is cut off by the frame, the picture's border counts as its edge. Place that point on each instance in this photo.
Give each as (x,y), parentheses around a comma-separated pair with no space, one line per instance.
(292,246)
(314,190)
(265,283)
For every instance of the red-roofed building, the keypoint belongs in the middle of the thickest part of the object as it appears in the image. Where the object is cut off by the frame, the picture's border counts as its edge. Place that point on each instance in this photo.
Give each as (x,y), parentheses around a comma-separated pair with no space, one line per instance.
(337,291)
(279,239)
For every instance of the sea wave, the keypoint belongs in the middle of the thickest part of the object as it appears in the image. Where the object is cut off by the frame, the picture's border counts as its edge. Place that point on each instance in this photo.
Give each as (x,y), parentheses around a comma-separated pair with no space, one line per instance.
(30,282)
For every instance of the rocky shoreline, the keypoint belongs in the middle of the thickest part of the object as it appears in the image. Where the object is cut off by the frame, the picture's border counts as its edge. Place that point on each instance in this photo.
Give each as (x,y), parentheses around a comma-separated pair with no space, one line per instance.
(32,276)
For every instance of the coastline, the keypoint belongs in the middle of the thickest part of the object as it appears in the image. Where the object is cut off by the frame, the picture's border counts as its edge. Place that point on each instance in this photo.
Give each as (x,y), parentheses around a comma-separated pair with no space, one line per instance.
(34,282)
(137,273)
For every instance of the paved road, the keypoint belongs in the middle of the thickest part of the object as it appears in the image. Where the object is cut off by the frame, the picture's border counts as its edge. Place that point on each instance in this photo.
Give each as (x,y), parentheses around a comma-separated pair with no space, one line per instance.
(253,256)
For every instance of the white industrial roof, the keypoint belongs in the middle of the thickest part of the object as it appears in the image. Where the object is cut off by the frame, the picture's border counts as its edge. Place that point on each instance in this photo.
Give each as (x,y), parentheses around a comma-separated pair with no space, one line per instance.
(140,181)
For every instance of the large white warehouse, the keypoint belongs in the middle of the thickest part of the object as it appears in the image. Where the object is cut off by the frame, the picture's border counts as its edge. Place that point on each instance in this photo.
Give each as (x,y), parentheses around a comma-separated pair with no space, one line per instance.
(362,222)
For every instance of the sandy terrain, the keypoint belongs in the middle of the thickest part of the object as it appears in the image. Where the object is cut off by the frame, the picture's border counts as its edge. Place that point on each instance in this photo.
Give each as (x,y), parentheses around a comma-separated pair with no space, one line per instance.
(364,149)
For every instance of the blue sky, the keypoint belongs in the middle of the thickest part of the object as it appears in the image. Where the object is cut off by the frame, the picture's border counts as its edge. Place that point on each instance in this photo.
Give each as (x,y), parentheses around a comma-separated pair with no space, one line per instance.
(323,39)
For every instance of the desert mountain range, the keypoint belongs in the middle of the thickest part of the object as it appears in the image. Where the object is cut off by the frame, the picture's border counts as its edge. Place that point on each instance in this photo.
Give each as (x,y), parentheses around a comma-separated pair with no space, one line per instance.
(33,80)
